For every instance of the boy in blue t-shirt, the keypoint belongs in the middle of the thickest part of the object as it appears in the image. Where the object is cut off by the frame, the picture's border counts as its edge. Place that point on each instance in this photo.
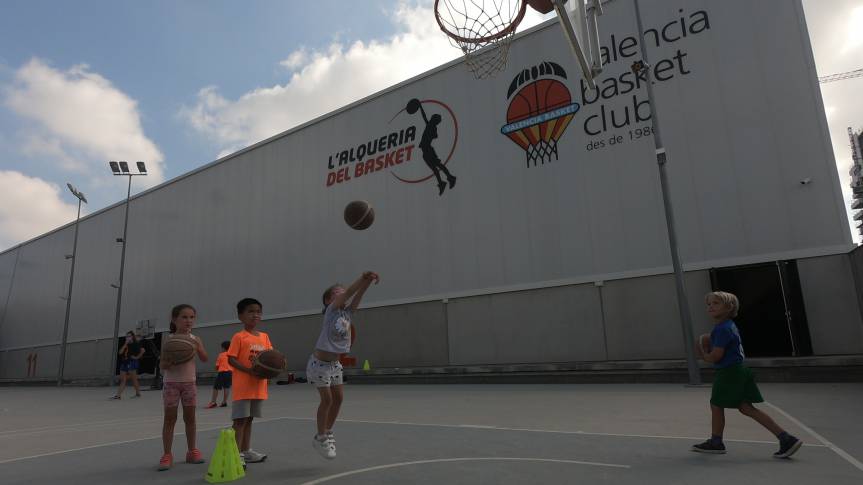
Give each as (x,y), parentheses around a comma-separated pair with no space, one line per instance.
(734,385)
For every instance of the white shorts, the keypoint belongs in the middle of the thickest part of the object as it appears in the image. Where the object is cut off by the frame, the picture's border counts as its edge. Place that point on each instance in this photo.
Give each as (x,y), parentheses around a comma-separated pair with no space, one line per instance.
(324,374)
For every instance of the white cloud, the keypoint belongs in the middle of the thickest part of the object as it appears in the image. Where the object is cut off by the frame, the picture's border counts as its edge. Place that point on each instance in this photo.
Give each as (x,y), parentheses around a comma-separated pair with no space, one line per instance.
(79,115)
(31,206)
(296,59)
(326,79)
(853,30)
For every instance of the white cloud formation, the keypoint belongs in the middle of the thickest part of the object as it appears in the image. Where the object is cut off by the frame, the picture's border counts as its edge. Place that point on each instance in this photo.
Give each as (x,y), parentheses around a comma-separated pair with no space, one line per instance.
(80,118)
(296,59)
(325,80)
(853,31)
(31,206)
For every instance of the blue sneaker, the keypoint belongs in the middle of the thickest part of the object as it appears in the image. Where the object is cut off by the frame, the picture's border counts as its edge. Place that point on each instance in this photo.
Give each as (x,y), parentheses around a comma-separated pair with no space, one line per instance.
(709,447)
(788,447)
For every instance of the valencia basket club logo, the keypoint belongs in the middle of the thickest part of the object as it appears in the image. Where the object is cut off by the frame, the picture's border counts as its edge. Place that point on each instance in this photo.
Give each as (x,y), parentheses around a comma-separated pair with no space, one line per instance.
(540,109)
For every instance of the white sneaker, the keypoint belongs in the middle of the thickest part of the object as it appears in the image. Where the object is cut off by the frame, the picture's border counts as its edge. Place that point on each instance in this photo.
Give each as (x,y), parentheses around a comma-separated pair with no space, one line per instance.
(325,447)
(252,456)
(242,460)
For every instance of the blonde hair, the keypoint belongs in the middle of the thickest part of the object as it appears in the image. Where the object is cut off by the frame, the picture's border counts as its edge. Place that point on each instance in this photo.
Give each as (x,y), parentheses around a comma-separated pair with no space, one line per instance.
(728,299)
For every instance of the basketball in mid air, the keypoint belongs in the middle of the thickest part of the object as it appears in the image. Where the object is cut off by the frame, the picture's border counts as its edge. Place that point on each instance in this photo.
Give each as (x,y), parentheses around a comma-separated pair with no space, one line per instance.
(359,215)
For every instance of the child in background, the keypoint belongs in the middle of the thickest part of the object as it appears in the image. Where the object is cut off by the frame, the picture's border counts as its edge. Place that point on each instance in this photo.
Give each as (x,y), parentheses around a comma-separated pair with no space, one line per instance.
(734,385)
(130,361)
(223,378)
(250,391)
(180,387)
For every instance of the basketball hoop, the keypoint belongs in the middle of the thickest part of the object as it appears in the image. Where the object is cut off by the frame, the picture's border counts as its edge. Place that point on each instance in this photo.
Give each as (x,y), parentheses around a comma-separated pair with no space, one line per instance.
(482,29)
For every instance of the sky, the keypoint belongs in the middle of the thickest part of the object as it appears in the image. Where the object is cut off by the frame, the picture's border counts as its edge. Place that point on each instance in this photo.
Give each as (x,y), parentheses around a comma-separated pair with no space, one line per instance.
(180,83)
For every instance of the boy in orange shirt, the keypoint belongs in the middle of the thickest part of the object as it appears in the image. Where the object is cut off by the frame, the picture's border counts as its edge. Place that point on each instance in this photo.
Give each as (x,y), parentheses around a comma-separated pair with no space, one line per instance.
(250,391)
(223,378)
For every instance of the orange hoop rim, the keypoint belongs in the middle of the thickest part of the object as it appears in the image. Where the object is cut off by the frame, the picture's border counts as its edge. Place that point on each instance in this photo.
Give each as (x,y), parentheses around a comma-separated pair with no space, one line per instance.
(478,40)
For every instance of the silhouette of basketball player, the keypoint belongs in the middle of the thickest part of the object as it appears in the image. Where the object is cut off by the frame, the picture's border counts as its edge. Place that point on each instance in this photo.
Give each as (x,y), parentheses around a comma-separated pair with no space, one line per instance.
(429,154)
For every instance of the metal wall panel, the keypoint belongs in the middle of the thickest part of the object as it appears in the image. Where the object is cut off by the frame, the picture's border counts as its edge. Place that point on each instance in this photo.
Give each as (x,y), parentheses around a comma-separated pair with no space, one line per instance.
(829,296)
(550,325)
(35,312)
(743,123)
(641,317)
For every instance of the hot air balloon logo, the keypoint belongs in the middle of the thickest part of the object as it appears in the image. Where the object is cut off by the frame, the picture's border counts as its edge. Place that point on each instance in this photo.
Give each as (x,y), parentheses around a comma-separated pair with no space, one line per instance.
(540,109)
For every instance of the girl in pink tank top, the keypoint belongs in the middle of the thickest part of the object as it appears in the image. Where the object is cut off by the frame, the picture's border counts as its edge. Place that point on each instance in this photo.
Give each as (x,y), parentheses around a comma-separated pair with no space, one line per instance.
(180,387)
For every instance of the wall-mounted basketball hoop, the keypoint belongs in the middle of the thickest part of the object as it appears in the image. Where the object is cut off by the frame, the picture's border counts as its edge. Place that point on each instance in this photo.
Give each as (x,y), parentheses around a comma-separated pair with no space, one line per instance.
(483,30)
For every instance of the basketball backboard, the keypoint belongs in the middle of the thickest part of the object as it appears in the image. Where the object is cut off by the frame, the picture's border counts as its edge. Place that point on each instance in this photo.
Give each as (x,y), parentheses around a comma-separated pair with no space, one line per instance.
(578,19)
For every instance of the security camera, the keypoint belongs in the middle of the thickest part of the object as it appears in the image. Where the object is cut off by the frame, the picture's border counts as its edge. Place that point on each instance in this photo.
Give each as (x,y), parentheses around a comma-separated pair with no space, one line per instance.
(806,181)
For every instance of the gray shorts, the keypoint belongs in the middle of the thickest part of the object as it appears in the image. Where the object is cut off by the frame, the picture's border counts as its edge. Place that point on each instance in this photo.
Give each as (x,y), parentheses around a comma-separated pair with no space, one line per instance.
(247,408)
(324,374)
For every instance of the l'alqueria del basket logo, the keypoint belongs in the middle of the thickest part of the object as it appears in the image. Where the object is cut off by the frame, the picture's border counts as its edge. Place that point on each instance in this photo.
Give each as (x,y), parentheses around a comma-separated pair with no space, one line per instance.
(540,109)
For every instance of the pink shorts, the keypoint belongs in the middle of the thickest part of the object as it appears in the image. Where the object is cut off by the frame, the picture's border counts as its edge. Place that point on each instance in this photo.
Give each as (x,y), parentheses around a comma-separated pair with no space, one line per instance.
(174,392)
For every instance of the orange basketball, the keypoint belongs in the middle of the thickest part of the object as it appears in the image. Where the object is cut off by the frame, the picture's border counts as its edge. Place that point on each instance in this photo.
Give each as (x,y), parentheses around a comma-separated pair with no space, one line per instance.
(359,215)
(537,98)
(179,349)
(269,364)
(704,343)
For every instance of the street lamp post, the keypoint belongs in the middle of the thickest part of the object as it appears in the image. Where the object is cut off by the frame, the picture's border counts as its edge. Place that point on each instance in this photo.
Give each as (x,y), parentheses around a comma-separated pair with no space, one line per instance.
(73,257)
(661,158)
(121,169)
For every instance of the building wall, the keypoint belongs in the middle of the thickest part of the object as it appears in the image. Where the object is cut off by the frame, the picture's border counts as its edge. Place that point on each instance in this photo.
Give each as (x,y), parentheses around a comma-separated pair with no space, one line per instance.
(832,304)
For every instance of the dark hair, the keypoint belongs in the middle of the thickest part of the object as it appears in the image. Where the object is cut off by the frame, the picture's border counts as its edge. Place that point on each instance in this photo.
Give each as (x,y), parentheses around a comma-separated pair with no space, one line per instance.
(226,344)
(175,312)
(327,294)
(247,302)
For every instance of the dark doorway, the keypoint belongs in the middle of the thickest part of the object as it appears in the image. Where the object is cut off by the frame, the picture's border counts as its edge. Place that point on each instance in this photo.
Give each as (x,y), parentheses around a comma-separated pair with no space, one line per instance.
(772,319)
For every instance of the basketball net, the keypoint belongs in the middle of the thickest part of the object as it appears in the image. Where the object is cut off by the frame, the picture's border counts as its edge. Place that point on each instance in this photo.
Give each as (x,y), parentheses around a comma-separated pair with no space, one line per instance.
(482,29)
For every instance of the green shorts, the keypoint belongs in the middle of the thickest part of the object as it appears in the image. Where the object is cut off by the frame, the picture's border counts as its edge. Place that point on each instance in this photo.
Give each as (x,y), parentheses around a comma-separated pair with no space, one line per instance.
(734,385)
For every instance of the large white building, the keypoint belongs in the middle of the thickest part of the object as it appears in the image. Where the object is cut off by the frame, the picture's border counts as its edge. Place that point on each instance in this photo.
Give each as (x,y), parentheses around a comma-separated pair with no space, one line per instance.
(551,247)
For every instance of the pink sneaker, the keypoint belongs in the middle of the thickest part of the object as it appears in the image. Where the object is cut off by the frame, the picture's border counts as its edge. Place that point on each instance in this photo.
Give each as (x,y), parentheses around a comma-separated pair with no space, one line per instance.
(194,456)
(166,462)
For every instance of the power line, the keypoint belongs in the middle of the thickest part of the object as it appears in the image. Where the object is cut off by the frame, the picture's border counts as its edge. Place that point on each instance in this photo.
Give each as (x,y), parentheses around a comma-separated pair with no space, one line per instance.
(841,76)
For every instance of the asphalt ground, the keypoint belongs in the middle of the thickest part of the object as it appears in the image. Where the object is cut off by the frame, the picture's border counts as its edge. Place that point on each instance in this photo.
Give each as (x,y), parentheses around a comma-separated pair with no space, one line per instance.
(432,434)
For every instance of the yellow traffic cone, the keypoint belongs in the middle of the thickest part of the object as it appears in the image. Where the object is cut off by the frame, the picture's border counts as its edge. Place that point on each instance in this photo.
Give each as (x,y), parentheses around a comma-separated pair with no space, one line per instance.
(366,365)
(225,464)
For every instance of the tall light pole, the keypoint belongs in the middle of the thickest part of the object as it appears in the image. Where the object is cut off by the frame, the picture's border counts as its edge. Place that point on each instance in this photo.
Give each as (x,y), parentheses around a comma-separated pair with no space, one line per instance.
(73,257)
(121,169)
(643,67)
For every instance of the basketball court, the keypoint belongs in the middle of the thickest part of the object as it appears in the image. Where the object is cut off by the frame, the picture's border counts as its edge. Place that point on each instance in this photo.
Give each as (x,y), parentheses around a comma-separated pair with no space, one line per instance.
(444,434)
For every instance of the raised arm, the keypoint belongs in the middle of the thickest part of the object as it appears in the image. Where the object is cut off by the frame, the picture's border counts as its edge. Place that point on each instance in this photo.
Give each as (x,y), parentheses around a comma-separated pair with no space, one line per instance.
(367,279)
(341,299)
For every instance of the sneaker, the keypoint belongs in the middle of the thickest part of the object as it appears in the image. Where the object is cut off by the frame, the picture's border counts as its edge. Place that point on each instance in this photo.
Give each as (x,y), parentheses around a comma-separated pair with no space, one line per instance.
(223,405)
(441,186)
(242,460)
(194,456)
(211,405)
(326,448)
(451,181)
(788,447)
(709,447)
(252,456)
(115,397)
(166,462)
